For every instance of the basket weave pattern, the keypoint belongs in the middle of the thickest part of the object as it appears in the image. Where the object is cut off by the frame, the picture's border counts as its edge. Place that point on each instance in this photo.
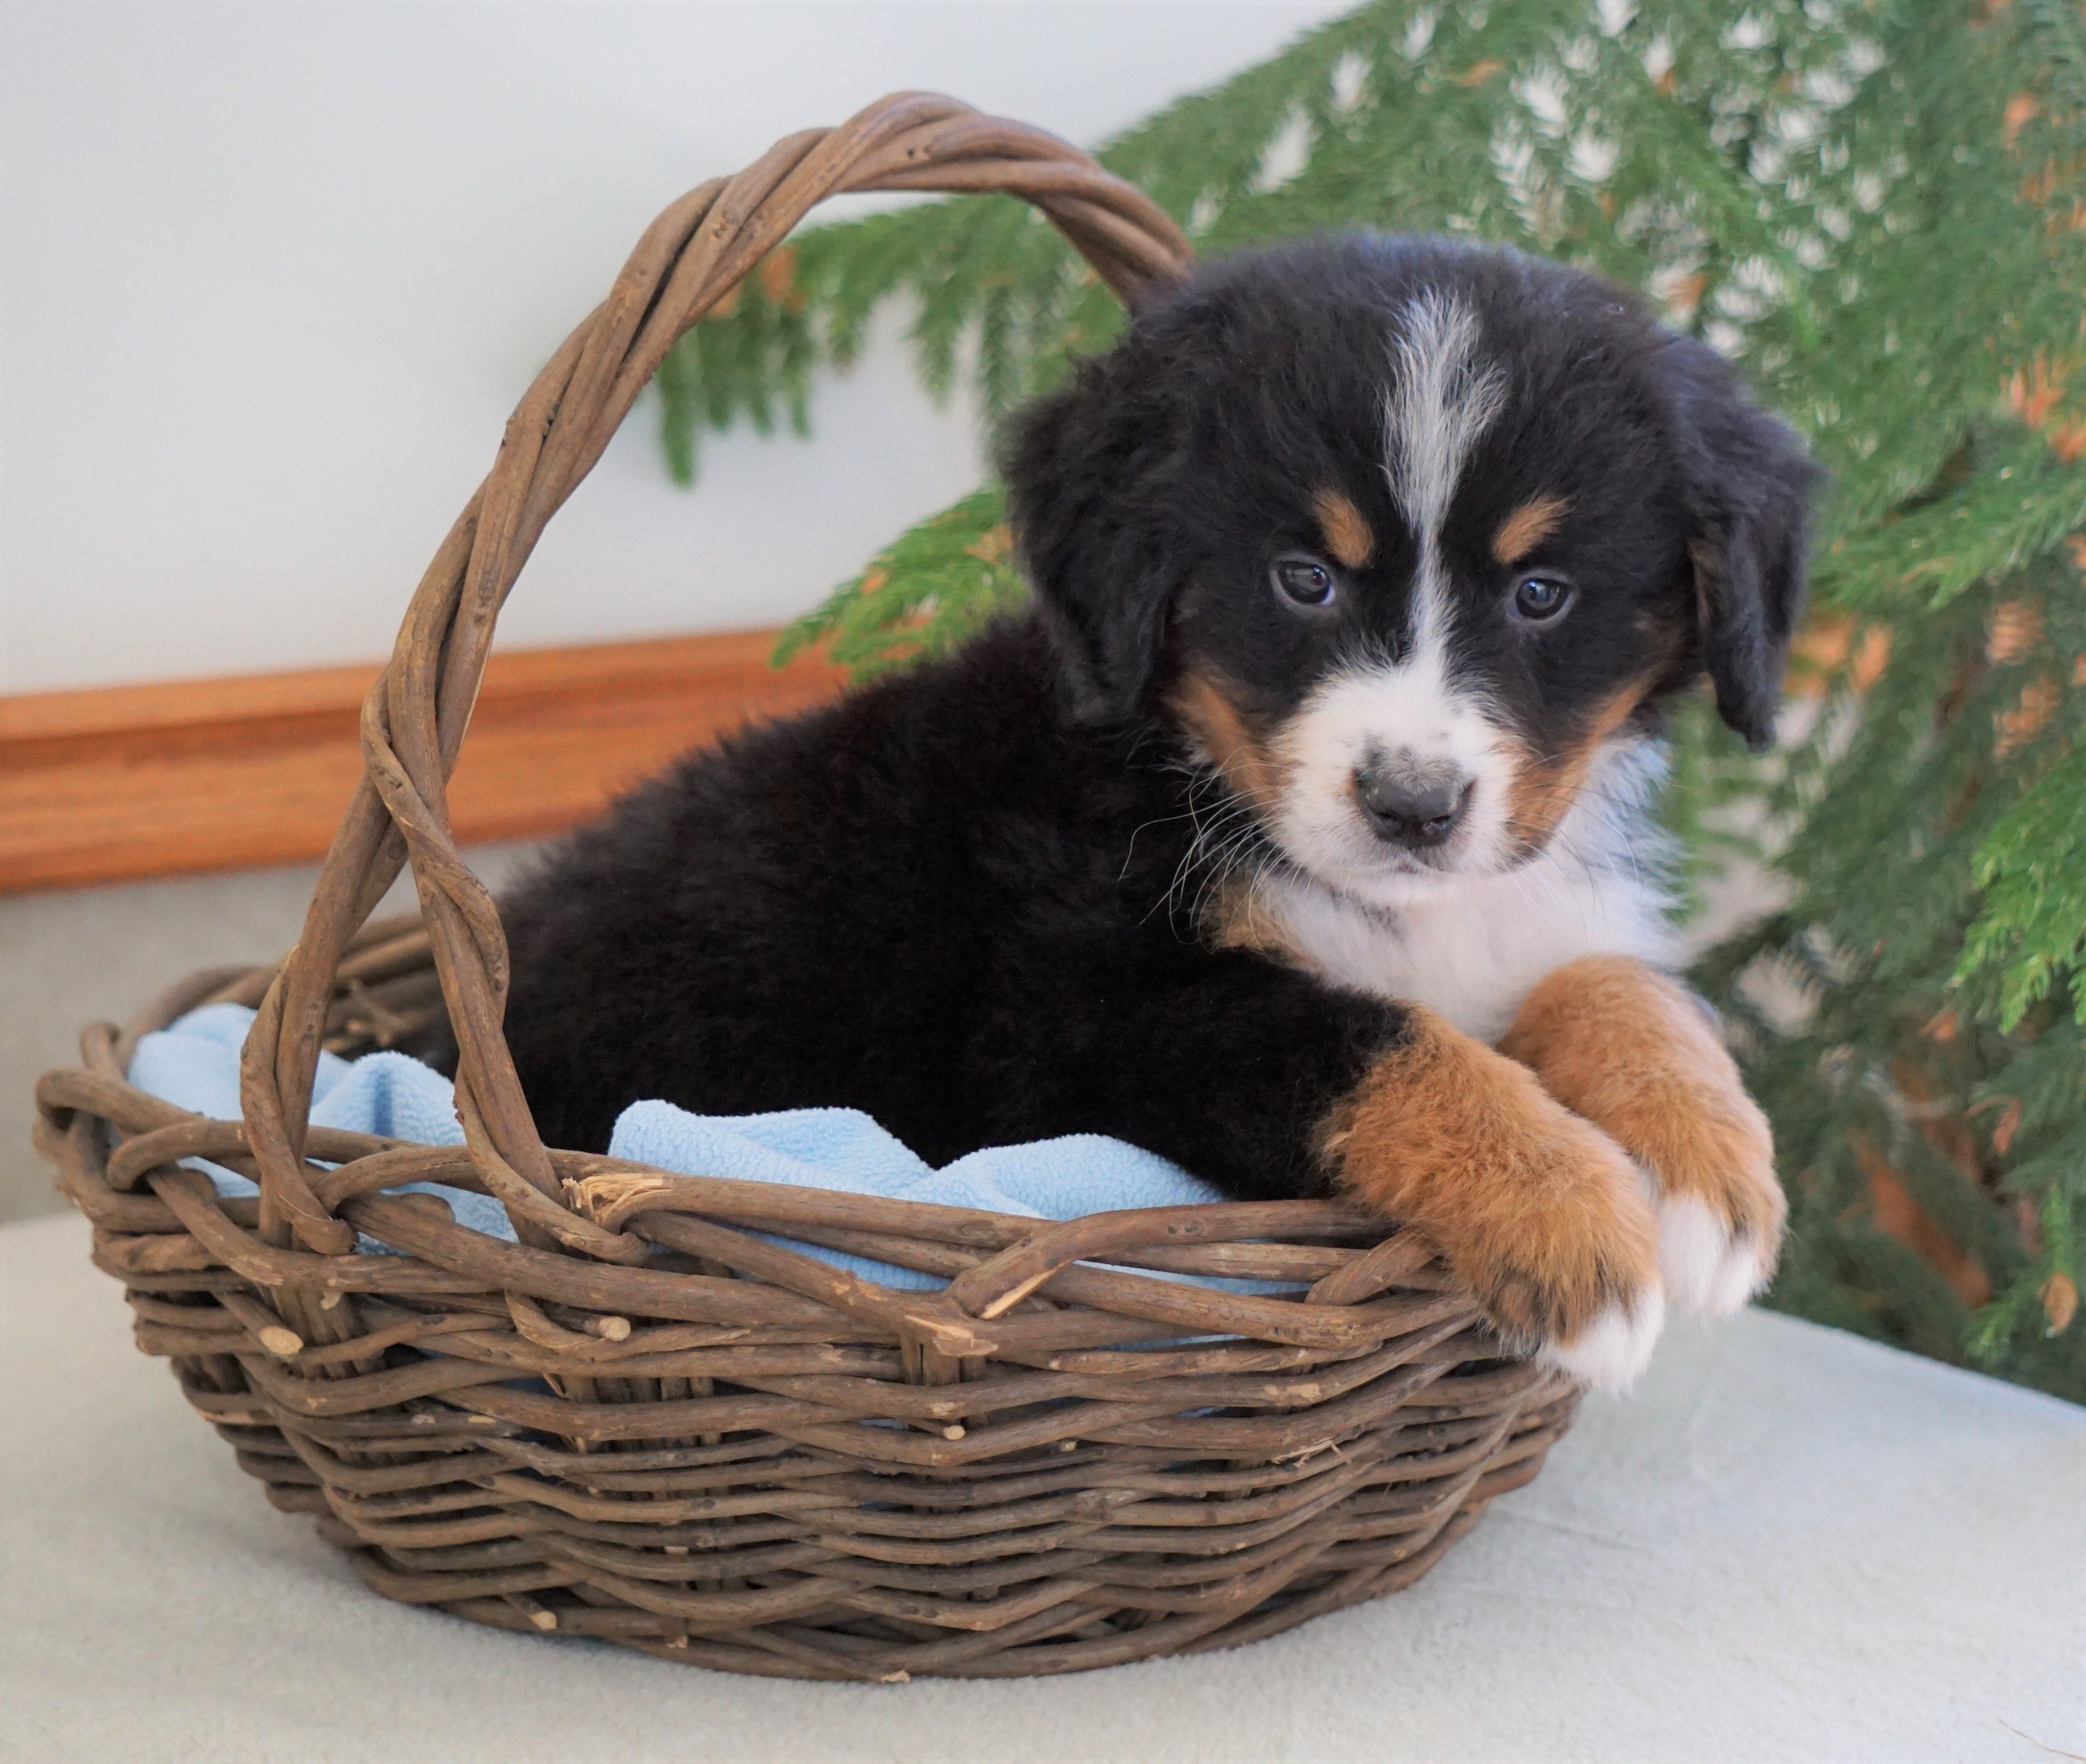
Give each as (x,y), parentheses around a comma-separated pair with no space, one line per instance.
(649,1420)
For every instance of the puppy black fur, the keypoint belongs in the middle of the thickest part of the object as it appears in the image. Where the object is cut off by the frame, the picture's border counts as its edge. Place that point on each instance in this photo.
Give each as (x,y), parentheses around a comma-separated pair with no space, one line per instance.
(975,899)
(933,901)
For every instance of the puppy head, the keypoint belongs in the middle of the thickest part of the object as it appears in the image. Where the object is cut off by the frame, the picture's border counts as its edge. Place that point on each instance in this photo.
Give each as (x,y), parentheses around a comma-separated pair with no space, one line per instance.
(1404,533)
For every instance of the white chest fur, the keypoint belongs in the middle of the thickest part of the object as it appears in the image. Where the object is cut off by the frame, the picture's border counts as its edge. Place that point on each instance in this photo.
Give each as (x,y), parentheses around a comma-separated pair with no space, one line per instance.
(1472,948)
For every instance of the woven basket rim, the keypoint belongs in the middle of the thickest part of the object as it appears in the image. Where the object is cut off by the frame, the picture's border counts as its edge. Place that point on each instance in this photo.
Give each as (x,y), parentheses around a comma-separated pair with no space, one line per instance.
(611,1191)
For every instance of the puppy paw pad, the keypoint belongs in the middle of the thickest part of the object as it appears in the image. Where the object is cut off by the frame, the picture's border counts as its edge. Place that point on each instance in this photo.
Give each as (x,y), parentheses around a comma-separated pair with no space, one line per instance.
(1612,1350)
(1709,1270)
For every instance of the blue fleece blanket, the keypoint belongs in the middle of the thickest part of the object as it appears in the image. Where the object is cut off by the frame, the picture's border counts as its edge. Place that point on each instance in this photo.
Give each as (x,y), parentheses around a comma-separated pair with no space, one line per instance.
(194,1062)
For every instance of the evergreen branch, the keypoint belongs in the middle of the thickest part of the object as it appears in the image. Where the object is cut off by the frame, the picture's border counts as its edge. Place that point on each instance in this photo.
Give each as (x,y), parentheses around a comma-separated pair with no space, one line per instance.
(2020,505)
(936,584)
(2032,868)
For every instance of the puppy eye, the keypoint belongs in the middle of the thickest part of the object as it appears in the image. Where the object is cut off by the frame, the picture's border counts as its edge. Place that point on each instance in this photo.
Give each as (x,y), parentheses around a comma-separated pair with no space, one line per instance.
(1303,580)
(1539,597)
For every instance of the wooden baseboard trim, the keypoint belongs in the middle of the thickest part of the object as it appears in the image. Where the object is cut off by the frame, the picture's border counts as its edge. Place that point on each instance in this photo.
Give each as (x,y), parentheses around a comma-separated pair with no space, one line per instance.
(179,778)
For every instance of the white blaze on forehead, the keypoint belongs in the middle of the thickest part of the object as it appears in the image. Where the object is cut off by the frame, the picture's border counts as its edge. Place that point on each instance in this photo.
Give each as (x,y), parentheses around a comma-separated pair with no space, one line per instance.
(1446,397)
(1412,711)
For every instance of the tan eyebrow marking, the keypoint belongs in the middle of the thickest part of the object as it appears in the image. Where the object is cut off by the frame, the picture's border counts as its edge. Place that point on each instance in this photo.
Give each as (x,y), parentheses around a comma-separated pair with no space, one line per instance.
(1348,535)
(1527,527)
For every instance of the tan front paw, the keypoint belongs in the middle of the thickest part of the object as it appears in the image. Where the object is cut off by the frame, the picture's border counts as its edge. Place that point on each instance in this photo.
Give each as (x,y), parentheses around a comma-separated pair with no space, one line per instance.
(1571,1266)
(1543,1215)
(1627,1048)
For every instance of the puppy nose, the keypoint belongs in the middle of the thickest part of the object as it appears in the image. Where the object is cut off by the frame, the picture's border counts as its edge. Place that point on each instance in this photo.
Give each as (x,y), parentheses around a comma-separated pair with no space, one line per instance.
(1410,812)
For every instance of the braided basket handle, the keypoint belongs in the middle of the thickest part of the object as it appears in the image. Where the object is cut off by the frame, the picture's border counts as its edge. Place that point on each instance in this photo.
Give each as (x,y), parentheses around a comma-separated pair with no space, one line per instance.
(414,719)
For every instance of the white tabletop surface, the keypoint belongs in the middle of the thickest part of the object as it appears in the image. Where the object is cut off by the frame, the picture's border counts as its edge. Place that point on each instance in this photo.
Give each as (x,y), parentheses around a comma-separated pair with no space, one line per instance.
(1789,1544)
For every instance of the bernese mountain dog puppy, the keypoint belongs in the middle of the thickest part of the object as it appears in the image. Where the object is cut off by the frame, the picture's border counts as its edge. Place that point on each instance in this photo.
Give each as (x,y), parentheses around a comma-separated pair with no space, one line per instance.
(1299,832)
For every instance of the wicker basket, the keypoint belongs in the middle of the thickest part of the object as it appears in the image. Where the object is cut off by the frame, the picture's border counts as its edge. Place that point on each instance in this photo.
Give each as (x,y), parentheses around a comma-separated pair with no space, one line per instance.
(648,1422)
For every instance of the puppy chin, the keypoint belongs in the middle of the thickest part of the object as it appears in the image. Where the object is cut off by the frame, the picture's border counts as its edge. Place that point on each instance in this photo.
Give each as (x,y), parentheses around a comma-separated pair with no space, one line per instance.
(1409,887)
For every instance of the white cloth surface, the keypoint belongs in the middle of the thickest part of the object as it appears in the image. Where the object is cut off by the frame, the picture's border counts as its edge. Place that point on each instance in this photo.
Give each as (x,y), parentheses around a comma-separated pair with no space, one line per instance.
(1789,1544)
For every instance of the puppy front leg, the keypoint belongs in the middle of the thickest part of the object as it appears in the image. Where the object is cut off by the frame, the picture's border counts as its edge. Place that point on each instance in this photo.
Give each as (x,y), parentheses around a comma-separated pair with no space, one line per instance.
(1266,1082)
(1542,1214)
(1627,1048)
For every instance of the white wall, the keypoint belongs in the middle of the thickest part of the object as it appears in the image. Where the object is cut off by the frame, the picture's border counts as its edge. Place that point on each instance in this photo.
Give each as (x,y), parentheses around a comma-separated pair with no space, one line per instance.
(274,273)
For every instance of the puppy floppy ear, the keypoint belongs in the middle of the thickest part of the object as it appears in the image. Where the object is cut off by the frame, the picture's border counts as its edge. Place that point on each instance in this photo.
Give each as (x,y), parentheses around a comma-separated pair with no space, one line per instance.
(1083,468)
(1747,484)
